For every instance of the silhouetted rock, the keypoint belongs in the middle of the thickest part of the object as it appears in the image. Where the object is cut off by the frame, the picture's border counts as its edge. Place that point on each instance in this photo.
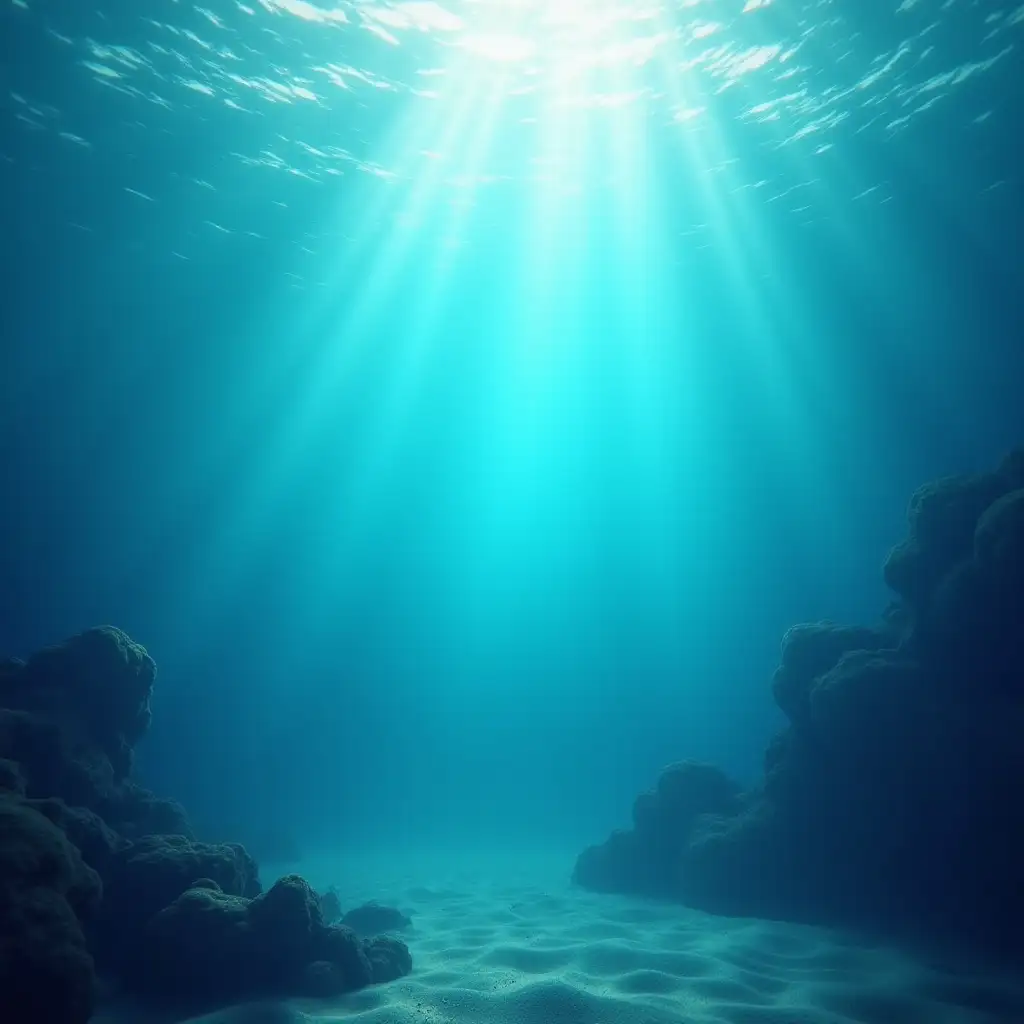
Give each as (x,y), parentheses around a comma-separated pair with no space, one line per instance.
(375,919)
(288,914)
(330,906)
(149,875)
(209,947)
(942,517)
(198,950)
(647,859)
(95,840)
(46,972)
(54,761)
(11,779)
(811,650)
(136,813)
(180,921)
(895,798)
(389,959)
(96,685)
(344,949)
(70,716)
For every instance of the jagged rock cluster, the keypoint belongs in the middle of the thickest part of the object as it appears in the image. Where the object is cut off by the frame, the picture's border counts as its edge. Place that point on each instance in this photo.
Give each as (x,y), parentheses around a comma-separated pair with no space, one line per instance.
(895,798)
(99,876)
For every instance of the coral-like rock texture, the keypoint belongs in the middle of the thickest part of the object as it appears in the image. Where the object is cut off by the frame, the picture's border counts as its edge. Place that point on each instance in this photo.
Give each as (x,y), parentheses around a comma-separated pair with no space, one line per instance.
(46,891)
(373,919)
(98,876)
(894,799)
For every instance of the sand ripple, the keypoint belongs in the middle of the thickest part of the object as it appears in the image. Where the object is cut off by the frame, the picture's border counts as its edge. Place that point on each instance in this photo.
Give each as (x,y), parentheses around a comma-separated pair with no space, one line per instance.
(488,953)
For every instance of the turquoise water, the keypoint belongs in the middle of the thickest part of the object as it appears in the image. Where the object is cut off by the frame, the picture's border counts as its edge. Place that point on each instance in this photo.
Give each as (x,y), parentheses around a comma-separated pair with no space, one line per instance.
(460,401)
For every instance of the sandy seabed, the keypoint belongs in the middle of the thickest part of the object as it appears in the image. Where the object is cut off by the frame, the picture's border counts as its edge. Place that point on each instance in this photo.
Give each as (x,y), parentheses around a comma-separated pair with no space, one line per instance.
(514,943)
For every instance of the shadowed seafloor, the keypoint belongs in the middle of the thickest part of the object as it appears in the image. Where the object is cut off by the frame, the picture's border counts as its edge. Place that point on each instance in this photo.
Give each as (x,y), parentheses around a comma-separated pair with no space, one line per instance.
(503,940)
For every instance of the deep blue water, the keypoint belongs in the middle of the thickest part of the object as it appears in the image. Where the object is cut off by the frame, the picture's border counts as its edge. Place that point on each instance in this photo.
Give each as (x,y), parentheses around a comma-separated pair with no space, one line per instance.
(459,406)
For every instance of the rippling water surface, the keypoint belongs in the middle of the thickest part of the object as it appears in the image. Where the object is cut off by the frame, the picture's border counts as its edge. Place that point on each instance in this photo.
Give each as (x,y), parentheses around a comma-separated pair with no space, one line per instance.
(461,102)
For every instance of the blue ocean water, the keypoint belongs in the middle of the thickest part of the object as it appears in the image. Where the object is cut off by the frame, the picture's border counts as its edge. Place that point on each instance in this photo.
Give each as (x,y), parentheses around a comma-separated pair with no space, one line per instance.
(461,400)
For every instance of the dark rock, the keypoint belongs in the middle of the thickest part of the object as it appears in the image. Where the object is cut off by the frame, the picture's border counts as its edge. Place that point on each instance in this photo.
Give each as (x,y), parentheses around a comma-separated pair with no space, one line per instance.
(46,972)
(54,762)
(811,650)
(135,812)
(149,875)
(287,920)
(375,919)
(208,948)
(206,883)
(180,922)
(616,865)
(895,800)
(647,860)
(88,832)
(11,779)
(389,959)
(330,906)
(322,979)
(96,685)
(341,947)
(349,964)
(942,518)
(199,950)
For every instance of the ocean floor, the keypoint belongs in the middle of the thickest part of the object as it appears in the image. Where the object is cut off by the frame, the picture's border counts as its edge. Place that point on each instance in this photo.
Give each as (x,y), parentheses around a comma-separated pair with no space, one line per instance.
(513,943)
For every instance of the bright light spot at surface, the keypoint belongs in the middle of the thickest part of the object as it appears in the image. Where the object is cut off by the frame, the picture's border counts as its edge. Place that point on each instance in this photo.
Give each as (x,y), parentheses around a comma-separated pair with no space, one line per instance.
(782,81)
(574,34)
(500,47)
(305,11)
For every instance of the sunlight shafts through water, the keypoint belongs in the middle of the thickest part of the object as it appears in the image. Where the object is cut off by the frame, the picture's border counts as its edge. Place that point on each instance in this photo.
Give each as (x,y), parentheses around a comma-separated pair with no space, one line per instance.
(463,400)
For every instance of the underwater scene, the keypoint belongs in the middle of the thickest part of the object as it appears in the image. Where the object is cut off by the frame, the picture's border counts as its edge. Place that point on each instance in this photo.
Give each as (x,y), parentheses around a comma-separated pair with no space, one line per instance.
(513,512)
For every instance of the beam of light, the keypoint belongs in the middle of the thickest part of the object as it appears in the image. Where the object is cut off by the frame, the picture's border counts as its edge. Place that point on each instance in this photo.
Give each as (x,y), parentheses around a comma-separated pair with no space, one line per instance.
(361,497)
(745,255)
(565,49)
(531,355)
(577,71)
(339,343)
(655,389)
(779,358)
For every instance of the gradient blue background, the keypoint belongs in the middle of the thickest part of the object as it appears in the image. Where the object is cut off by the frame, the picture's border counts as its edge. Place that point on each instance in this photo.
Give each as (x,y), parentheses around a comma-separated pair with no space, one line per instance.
(466,543)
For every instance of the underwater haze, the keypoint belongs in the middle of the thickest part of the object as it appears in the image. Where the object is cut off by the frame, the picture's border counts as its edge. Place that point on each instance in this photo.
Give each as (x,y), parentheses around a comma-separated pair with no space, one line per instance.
(461,400)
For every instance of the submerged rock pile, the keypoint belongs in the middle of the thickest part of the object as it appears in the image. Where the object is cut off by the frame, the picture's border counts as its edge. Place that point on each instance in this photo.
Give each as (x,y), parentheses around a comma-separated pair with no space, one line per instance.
(894,799)
(99,876)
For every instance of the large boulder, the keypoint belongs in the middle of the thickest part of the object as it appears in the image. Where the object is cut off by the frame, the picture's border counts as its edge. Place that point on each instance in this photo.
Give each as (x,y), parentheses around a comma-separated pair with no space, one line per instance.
(53,761)
(46,971)
(811,650)
(647,860)
(942,517)
(146,876)
(179,921)
(209,947)
(895,798)
(96,685)
(372,919)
